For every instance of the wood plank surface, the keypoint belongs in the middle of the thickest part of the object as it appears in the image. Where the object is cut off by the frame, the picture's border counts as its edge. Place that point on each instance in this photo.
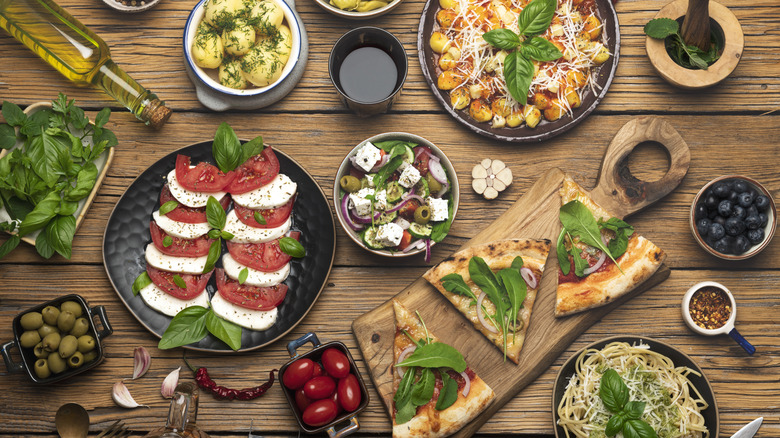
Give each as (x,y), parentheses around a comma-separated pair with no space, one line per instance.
(732,128)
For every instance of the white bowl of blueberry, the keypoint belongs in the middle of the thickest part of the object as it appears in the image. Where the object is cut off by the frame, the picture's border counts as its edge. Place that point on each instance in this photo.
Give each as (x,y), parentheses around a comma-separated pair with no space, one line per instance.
(733,217)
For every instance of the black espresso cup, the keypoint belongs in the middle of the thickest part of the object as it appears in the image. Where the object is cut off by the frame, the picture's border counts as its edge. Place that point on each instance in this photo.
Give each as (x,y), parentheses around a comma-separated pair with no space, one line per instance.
(368,67)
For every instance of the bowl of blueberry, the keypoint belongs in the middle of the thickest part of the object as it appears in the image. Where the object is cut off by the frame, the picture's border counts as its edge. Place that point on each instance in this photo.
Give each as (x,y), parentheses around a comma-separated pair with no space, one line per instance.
(733,217)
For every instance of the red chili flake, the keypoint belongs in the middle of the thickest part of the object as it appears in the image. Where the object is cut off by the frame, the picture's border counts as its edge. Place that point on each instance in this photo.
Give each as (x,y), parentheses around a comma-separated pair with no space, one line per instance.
(710,307)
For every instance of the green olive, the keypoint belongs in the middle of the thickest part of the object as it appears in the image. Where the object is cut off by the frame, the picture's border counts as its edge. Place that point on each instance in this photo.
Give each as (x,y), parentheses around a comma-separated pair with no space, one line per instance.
(29,339)
(39,351)
(86,343)
(66,321)
(422,215)
(47,329)
(72,307)
(76,360)
(50,315)
(80,327)
(52,342)
(90,356)
(433,185)
(56,363)
(31,321)
(68,346)
(349,183)
(42,368)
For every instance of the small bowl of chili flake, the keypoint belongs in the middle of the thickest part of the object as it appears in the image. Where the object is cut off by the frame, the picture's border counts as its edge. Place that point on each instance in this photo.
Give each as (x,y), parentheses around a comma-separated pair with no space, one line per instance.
(709,309)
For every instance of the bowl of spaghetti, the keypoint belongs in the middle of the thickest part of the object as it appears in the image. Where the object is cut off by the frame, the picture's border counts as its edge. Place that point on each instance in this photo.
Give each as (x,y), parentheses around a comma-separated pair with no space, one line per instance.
(678,399)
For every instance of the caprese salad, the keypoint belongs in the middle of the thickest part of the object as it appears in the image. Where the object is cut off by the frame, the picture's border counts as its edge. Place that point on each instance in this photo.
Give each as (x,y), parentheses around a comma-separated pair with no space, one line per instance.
(397,196)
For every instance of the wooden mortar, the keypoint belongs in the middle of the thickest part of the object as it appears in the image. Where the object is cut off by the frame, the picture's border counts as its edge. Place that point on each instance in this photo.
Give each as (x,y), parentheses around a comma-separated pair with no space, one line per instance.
(690,79)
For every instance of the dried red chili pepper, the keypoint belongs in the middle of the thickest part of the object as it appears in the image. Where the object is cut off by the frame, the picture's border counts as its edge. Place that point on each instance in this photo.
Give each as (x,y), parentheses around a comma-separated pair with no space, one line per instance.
(204,381)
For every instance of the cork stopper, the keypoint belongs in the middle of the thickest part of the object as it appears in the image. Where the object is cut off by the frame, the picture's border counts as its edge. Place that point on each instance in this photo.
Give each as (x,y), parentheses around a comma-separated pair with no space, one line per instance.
(156,113)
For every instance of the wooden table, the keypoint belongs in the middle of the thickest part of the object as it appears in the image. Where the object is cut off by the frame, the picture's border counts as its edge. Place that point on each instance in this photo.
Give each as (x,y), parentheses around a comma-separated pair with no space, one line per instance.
(731,129)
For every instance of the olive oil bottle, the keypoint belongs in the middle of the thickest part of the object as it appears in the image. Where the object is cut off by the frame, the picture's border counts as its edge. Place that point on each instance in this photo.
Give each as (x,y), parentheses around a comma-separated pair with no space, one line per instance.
(78,53)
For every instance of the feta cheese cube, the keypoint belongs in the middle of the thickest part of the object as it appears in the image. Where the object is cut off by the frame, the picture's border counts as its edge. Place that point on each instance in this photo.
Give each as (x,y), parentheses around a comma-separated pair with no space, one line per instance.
(409,177)
(390,234)
(401,167)
(367,157)
(380,200)
(360,202)
(439,208)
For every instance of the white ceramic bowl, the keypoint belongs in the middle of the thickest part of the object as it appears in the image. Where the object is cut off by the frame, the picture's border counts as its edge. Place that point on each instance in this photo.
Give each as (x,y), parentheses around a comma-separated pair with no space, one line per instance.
(727,328)
(344,170)
(354,15)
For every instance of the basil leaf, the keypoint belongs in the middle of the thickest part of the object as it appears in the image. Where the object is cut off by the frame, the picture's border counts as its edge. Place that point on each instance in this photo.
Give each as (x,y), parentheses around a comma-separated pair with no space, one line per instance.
(660,28)
(214,234)
(41,214)
(618,245)
(440,229)
(502,39)
(188,326)
(67,208)
(9,245)
(242,276)
(85,182)
(251,148)
(215,214)
(449,392)
(579,221)
(7,136)
(613,391)
(226,148)
(454,283)
(79,120)
(386,171)
(226,235)
(141,282)
(614,425)
(518,74)
(168,207)
(179,281)
(259,218)
(540,49)
(17,208)
(422,392)
(536,17)
(41,151)
(102,117)
(167,241)
(634,410)
(224,330)
(12,114)
(638,429)
(435,355)
(214,252)
(43,246)
(59,233)
(291,247)
(563,255)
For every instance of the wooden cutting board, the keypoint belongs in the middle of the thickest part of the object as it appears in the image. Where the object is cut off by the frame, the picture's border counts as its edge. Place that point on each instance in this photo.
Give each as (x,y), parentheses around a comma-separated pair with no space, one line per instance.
(534,215)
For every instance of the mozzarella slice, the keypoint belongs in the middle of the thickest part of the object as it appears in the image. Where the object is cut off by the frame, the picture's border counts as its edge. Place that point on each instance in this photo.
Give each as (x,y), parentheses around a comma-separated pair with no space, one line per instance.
(188,197)
(167,304)
(254,278)
(251,319)
(274,194)
(180,229)
(243,233)
(185,265)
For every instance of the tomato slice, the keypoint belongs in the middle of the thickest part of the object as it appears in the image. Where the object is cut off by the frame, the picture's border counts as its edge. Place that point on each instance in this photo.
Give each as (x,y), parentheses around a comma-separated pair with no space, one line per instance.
(406,239)
(249,297)
(265,257)
(164,280)
(423,157)
(273,216)
(255,172)
(179,247)
(204,177)
(182,213)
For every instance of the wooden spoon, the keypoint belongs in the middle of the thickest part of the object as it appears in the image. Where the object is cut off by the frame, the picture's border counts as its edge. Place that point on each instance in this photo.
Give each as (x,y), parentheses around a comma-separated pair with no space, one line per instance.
(696,24)
(72,421)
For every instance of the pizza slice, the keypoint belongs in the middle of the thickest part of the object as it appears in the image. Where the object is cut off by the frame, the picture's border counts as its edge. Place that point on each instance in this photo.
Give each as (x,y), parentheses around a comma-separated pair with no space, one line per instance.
(494,286)
(588,276)
(428,401)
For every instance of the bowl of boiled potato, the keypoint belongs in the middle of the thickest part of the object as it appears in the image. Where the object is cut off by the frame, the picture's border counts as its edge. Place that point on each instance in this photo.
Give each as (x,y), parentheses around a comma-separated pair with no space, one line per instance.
(244,54)
(358,9)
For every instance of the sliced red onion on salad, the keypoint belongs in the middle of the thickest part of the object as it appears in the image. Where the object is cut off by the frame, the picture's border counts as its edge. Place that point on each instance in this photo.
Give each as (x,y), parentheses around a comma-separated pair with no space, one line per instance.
(345,213)
(437,172)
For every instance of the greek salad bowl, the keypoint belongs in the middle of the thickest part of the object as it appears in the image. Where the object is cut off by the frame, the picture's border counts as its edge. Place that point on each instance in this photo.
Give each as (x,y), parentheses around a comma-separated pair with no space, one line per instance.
(396,195)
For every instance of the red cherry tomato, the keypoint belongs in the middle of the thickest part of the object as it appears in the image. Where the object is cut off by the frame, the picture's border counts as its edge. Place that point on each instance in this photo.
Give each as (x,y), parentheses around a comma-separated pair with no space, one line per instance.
(335,363)
(298,373)
(349,393)
(301,400)
(335,398)
(319,387)
(320,413)
(318,371)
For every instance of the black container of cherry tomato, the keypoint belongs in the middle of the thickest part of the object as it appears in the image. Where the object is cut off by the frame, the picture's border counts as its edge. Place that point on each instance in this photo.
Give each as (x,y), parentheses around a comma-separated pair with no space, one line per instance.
(323,387)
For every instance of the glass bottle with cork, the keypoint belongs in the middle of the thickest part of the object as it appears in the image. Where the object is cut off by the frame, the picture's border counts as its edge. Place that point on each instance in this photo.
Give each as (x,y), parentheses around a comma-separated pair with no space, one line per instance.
(78,53)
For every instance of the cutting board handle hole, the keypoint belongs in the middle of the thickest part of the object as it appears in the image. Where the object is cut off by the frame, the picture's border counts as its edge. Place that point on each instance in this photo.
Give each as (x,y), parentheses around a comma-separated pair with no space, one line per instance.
(649,161)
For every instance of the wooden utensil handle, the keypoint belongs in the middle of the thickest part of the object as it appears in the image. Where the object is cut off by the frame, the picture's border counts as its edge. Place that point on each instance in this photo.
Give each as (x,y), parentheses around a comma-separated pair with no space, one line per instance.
(617,189)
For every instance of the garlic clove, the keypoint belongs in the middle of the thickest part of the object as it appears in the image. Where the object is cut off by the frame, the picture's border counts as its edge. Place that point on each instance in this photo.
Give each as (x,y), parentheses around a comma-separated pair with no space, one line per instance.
(122,397)
(141,362)
(479,171)
(479,185)
(486,163)
(169,384)
(497,166)
(490,193)
(505,176)
(499,185)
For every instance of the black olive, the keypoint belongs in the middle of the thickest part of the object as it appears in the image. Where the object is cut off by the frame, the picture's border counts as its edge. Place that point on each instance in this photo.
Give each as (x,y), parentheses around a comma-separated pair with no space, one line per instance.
(711,201)
(741,186)
(764,220)
(746,199)
(719,220)
(716,231)
(761,202)
(733,196)
(724,208)
(734,226)
(738,211)
(741,244)
(701,211)
(720,189)
(753,222)
(756,236)
(703,226)
(724,245)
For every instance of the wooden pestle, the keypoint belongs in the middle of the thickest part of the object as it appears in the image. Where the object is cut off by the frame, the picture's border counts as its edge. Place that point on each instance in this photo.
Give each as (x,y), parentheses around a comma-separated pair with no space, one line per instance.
(696,24)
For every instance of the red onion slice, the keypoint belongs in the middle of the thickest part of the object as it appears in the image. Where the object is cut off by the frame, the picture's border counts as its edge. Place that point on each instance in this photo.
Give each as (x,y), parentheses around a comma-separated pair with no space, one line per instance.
(345,213)
(481,317)
(399,206)
(412,246)
(365,219)
(380,163)
(529,277)
(401,357)
(417,197)
(427,250)
(403,223)
(600,262)
(467,386)
(437,172)
(444,188)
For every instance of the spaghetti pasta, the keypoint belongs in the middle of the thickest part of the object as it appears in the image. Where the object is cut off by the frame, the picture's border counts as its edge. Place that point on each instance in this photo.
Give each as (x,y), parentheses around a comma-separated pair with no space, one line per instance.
(673,405)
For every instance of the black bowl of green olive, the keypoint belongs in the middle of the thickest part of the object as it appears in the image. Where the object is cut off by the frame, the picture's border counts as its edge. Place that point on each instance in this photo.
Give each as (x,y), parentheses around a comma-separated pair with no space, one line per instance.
(57,339)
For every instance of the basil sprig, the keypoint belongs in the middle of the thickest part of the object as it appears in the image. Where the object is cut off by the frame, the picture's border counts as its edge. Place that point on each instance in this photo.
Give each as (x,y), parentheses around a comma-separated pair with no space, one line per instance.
(534,19)
(688,56)
(193,324)
(228,151)
(216,218)
(627,416)
(141,282)
(291,247)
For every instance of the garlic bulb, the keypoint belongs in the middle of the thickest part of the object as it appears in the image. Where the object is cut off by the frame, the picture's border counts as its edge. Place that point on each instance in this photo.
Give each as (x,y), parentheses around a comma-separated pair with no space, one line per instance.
(490,177)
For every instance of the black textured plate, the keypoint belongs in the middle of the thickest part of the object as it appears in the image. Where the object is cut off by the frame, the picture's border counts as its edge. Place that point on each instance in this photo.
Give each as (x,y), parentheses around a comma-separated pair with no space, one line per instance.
(711,419)
(544,130)
(127,235)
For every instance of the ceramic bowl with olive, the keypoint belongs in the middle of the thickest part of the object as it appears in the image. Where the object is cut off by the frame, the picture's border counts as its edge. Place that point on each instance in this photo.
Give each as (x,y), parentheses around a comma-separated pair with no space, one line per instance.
(57,339)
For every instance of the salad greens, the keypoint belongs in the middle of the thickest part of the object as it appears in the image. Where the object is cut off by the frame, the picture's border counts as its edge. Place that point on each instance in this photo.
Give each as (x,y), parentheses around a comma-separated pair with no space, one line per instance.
(627,416)
(43,180)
